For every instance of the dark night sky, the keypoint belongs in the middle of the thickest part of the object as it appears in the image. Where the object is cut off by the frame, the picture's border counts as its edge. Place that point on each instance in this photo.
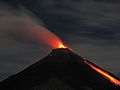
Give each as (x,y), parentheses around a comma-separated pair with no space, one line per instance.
(90,27)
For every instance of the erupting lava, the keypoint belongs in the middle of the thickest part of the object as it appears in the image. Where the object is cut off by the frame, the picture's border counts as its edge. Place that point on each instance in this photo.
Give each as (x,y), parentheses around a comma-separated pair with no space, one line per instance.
(104,74)
(44,36)
(57,43)
(61,45)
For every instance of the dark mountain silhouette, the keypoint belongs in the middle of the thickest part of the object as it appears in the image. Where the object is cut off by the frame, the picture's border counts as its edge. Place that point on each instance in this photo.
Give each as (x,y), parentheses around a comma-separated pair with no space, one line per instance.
(60,70)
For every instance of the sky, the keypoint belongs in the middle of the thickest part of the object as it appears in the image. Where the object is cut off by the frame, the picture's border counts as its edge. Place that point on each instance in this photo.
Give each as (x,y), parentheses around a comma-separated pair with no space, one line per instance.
(89,27)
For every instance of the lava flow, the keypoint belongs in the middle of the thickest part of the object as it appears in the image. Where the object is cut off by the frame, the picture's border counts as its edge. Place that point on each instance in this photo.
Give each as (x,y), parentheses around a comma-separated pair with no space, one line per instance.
(104,74)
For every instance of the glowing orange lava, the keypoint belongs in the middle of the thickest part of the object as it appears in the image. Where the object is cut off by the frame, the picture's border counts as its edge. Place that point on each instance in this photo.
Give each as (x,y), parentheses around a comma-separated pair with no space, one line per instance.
(61,46)
(104,74)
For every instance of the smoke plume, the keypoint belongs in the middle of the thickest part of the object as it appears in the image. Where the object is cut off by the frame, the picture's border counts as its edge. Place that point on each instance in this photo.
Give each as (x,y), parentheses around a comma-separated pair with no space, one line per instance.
(21,23)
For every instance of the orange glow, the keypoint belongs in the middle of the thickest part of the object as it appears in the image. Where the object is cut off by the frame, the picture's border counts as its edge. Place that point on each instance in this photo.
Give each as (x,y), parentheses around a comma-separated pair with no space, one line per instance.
(57,43)
(104,74)
(61,46)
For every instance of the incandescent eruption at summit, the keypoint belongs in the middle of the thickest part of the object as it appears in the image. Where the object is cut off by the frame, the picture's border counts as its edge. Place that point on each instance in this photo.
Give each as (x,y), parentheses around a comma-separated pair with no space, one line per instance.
(106,75)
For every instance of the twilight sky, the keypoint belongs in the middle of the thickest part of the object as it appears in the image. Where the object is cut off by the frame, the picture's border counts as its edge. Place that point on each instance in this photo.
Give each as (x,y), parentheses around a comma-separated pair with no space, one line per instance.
(89,27)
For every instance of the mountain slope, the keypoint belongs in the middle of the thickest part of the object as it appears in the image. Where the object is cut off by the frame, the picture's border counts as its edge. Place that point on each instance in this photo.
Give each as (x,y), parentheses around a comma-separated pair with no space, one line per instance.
(64,65)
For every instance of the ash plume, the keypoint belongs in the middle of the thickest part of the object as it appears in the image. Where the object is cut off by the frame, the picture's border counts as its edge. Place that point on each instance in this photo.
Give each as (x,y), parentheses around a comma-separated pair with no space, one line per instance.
(21,24)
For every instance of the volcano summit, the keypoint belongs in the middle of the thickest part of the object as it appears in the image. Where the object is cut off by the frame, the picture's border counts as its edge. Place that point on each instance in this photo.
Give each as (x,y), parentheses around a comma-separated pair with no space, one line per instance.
(62,69)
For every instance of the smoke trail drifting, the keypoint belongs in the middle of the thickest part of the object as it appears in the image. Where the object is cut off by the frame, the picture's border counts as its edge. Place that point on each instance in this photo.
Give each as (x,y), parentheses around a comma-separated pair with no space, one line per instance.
(22,23)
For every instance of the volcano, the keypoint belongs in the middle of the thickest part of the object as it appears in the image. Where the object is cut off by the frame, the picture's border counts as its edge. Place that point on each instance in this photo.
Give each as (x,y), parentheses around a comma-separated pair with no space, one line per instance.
(62,69)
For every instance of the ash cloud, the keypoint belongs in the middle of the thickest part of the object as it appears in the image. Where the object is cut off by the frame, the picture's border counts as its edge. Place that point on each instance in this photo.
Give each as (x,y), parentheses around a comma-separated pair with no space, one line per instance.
(19,23)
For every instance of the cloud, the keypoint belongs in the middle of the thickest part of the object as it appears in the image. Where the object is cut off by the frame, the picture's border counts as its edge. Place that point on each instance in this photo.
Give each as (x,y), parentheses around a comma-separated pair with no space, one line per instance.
(87,18)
